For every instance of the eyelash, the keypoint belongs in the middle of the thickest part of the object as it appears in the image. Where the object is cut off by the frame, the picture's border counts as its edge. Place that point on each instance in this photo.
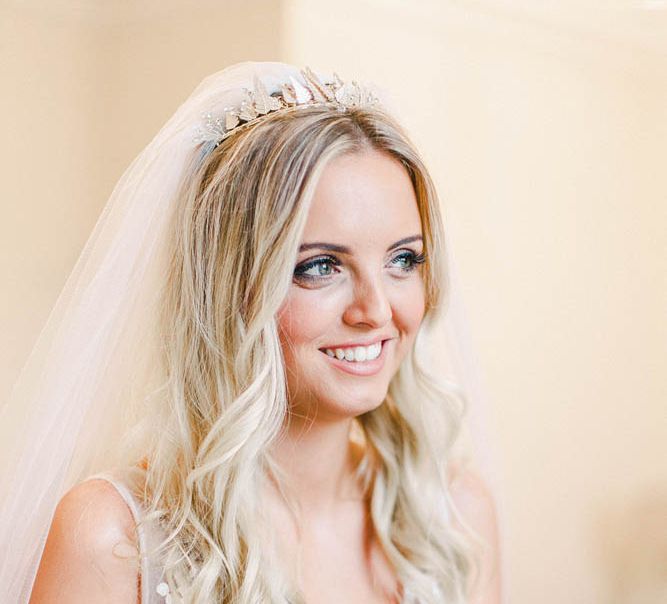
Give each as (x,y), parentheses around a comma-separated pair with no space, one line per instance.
(300,270)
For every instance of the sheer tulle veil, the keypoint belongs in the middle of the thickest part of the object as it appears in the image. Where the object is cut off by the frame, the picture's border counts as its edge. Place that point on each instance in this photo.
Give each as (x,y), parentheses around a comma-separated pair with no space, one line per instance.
(82,388)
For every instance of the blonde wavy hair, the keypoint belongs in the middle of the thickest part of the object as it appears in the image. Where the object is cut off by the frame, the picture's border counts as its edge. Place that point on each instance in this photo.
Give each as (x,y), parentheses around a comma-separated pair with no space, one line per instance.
(237,229)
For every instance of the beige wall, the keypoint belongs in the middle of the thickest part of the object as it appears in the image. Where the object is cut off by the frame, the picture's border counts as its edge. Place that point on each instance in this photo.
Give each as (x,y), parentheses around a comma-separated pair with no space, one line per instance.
(546,132)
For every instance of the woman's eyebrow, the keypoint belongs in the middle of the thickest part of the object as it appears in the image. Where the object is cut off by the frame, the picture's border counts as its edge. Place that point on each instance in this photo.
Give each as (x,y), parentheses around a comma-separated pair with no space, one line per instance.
(404,241)
(332,247)
(342,249)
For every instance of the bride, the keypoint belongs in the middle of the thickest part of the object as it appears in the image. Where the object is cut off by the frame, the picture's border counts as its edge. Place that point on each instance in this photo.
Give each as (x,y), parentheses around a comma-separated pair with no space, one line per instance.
(241,408)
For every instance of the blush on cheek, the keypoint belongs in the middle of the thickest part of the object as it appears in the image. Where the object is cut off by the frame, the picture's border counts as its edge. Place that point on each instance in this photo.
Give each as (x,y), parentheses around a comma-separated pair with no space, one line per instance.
(416,311)
(296,321)
(303,321)
(412,308)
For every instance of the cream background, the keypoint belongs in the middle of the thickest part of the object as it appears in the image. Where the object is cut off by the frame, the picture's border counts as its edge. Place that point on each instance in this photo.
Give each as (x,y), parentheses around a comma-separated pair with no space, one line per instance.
(545,125)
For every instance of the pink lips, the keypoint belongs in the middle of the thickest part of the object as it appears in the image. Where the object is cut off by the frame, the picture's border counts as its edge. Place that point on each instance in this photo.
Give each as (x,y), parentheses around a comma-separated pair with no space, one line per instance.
(363,368)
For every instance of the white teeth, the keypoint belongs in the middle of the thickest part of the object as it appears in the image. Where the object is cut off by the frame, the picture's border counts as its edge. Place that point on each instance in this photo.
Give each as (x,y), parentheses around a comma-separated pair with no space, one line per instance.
(358,354)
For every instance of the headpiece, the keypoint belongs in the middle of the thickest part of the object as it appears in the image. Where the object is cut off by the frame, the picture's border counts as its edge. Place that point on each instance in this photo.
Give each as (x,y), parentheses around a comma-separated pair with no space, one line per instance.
(258,103)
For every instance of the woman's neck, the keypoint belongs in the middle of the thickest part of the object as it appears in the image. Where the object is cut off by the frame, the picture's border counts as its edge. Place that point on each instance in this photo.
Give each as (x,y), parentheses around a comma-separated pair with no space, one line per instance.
(318,460)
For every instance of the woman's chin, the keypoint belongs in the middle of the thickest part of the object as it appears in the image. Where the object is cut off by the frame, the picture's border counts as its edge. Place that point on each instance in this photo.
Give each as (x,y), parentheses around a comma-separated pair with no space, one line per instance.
(354,404)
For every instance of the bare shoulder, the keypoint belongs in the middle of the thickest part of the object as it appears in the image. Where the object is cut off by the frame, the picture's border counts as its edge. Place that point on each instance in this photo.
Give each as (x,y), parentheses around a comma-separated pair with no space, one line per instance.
(469,490)
(475,502)
(91,550)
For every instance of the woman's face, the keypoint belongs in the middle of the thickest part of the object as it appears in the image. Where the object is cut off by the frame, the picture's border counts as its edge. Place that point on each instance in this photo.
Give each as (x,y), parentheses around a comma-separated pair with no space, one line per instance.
(357,296)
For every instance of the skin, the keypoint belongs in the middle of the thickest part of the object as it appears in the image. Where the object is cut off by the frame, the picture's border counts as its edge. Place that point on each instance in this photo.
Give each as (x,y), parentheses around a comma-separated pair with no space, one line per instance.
(370,291)
(366,203)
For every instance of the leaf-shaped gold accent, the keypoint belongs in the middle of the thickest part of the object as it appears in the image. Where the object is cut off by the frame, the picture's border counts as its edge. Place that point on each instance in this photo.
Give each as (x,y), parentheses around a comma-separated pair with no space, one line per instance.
(348,95)
(263,101)
(247,111)
(320,92)
(302,94)
(276,103)
(231,120)
(289,96)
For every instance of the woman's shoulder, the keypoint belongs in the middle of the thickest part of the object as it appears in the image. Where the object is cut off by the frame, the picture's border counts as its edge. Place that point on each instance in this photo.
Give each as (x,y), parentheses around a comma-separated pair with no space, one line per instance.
(91,548)
(466,481)
(475,501)
(98,509)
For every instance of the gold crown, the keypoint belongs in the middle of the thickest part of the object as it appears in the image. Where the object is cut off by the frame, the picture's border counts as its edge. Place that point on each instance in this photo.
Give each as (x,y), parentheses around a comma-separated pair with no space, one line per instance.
(258,103)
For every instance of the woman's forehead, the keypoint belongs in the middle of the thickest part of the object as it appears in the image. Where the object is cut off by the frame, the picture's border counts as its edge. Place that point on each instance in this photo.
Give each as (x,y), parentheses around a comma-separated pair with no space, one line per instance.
(363,195)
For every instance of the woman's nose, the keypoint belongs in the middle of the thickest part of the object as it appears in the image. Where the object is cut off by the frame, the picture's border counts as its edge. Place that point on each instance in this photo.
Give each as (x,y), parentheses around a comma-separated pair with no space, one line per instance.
(370,305)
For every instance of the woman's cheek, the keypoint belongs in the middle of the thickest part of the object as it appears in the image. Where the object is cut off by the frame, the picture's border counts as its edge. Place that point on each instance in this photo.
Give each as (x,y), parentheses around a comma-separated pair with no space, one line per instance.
(409,306)
(408,316)
(305,314)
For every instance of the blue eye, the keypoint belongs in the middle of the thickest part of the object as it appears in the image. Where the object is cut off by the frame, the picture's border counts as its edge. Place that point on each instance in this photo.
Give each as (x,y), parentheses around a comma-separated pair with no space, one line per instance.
(408,261)
(316,268)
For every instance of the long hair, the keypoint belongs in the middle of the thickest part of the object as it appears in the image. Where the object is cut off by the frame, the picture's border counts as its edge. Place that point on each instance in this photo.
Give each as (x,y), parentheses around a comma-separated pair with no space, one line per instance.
(236,233)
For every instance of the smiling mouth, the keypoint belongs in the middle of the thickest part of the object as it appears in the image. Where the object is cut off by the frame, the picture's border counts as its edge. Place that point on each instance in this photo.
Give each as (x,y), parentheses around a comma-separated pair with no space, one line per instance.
(355,354)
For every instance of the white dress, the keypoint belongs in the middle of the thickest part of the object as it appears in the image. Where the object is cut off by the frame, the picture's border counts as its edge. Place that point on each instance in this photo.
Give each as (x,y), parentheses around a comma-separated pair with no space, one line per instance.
(153,589)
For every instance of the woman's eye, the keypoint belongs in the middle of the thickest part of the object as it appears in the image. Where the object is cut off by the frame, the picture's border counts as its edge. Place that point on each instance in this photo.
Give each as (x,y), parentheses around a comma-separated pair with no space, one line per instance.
(407,261)
(317,268)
